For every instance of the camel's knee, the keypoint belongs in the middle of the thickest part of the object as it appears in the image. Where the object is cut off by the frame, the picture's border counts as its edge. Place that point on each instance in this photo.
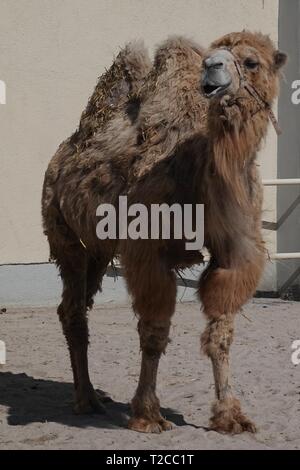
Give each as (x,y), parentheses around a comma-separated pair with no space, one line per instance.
(154,337)
(224,291)
(217,337)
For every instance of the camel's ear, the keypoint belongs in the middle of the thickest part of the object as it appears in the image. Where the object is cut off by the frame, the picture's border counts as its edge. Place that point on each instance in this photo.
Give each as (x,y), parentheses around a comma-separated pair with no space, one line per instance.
(280,59)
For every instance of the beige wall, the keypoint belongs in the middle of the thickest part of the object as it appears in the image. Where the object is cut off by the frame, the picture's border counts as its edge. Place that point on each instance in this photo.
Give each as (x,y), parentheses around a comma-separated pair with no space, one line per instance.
(51,53)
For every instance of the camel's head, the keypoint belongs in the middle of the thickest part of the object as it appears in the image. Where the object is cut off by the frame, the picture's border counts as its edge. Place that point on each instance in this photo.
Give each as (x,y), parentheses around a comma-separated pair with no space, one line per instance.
(237,68)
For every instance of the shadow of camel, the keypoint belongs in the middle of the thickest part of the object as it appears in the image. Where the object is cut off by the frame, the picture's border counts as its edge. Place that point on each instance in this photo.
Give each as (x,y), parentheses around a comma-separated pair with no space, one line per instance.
(31,400)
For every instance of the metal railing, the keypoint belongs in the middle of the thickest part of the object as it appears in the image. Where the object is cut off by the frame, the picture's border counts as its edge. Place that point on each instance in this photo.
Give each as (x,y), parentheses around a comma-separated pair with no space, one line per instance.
(283,182)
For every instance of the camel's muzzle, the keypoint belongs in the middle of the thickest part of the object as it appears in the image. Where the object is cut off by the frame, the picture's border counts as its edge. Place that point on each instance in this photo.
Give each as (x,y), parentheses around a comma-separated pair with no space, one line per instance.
(216,77)
(212,89)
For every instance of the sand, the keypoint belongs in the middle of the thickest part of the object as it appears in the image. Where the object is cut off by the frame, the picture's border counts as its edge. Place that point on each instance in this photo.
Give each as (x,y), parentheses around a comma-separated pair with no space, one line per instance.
(36,382)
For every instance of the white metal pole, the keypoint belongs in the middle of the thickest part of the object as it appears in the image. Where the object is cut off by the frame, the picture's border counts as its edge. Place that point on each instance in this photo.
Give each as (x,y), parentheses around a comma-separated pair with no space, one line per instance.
(285,256)
(281,182)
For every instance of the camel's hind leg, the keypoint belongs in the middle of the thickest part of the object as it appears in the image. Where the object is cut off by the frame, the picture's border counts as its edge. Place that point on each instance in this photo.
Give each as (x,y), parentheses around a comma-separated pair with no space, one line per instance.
(81,278)
(223,292)
(154,294)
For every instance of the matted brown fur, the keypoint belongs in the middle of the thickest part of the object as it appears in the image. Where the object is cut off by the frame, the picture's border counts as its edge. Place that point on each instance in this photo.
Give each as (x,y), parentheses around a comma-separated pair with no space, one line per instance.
(150,134)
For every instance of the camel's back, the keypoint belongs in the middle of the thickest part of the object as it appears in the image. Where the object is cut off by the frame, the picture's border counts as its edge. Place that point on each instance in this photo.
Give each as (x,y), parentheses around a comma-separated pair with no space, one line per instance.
(137,117)
(106,129)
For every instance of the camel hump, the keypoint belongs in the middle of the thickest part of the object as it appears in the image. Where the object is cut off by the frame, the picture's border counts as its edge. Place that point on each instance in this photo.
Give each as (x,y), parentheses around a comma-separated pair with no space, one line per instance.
(120,83)
(176,48)
(173,109)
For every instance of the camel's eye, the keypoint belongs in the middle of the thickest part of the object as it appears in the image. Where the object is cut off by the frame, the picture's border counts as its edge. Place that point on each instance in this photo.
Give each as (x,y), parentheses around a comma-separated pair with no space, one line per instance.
(251,64)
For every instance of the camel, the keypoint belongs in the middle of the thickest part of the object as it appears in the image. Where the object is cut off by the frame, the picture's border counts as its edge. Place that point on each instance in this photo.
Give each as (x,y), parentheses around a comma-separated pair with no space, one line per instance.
(185,128)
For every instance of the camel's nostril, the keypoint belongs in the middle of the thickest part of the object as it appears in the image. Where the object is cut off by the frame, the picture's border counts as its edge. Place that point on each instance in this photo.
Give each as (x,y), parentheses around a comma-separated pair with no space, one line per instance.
(218,65)
(214,63)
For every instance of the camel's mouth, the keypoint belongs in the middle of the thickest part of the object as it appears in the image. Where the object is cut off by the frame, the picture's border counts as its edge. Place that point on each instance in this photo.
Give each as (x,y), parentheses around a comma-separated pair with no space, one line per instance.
(213,90)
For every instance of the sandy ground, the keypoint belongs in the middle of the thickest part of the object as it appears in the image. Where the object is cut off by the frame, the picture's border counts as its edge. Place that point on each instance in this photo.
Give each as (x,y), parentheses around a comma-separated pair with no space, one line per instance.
(36,389)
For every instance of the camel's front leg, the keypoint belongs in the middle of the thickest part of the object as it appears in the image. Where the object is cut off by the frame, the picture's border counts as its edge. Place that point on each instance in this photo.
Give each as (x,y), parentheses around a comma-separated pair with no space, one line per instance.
(154,302)
(223,292)
(226,411)
(145,404)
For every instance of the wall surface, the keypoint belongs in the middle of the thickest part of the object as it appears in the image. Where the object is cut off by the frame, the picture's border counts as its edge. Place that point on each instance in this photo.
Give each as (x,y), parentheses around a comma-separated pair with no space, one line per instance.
(51,53)
(288,208)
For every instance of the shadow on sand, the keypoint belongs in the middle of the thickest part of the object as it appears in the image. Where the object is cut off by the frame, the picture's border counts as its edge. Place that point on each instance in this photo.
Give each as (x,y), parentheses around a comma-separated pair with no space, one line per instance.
(31,400)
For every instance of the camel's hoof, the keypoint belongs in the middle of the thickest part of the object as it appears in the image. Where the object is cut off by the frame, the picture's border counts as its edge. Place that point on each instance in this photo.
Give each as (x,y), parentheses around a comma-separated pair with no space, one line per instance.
(146,425)
(103,397)
(228,418)
(89,403)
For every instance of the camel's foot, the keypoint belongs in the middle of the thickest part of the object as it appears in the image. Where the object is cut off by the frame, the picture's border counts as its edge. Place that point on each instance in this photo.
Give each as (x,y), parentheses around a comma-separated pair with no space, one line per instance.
(228,418)
(103,397)
(90,402)
(150,426)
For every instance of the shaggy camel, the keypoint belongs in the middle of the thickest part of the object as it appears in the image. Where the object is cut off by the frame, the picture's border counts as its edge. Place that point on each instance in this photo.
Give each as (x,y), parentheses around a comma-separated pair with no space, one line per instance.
(184,129)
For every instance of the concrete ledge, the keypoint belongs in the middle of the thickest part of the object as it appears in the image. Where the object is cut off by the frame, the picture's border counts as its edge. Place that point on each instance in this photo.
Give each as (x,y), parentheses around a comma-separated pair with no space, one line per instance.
(40,285)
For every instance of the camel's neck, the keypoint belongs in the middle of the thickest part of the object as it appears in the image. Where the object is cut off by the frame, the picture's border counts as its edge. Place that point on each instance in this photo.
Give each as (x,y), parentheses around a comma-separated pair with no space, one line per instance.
(233,193)
(233,151)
